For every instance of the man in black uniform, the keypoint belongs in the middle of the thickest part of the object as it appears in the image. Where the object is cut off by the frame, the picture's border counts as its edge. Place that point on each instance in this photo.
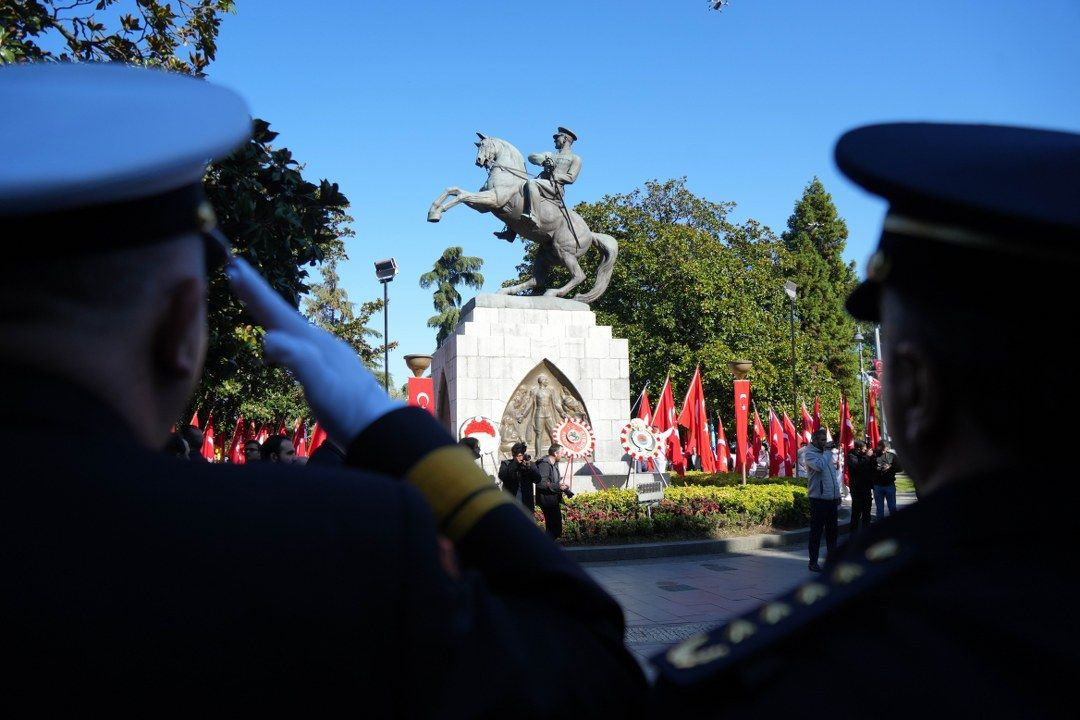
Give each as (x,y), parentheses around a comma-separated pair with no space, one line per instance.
(933,608)
(137,583)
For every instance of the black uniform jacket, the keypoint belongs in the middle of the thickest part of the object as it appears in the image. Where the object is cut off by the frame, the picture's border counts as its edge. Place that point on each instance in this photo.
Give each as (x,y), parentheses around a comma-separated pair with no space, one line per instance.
(963,604)
(134,580)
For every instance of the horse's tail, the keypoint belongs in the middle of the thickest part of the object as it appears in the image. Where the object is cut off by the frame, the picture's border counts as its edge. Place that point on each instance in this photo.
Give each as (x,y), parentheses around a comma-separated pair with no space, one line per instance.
(609,247)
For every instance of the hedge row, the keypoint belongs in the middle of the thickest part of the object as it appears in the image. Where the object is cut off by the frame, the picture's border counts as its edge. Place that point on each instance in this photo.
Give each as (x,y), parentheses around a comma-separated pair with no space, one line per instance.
(695,477)
(684,513)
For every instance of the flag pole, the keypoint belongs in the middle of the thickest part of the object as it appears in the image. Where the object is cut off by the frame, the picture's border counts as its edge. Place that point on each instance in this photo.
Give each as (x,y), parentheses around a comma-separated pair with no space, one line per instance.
(638,401)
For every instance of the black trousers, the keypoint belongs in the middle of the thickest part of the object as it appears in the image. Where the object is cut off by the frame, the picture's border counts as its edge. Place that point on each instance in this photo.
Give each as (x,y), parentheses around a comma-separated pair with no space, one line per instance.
(552,515)
(823,516)
(861,502)
(527,496)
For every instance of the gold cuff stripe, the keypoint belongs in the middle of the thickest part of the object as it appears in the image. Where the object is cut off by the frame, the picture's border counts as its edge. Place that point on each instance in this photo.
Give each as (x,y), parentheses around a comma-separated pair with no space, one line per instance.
(455,488)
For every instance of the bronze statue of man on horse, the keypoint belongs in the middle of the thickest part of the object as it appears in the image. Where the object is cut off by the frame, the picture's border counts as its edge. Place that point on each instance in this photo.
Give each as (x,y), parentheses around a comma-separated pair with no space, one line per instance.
(535,208)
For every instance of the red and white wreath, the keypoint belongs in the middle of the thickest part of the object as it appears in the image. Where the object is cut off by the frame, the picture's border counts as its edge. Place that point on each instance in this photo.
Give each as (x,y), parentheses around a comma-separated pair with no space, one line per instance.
(575,437)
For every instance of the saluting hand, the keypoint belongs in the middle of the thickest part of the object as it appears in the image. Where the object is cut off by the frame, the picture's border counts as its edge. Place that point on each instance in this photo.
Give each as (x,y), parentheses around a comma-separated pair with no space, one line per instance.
(344,395)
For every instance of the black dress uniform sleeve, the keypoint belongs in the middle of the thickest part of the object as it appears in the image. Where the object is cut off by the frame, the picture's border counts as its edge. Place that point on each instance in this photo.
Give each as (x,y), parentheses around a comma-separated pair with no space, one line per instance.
(475,642)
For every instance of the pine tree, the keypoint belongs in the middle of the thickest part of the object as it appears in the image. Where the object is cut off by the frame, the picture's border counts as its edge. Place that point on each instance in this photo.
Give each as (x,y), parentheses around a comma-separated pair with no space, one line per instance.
(453,268)
(815,242)
(329,307)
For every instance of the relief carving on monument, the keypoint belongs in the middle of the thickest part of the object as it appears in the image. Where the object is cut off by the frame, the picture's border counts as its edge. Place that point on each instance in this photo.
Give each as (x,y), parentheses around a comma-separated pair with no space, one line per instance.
(543,398)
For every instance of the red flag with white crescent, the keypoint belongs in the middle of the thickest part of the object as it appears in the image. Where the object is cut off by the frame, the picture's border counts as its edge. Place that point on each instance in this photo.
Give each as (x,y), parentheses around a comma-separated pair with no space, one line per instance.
(667,429)
(422,393)
(777,453)
(807,427)
(723,452)
(742,417)
(791,445)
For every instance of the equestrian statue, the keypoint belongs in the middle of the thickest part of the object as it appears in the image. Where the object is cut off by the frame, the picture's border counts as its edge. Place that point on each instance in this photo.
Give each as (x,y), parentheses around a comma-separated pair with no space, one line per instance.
(535,208)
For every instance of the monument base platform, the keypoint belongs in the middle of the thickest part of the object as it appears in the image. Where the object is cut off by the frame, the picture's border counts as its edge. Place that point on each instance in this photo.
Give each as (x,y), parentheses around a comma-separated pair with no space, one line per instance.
(491,367)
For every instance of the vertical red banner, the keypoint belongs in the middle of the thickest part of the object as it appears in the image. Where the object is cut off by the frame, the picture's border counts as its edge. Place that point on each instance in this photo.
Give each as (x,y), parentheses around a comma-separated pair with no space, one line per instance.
(742,417)
(422,393)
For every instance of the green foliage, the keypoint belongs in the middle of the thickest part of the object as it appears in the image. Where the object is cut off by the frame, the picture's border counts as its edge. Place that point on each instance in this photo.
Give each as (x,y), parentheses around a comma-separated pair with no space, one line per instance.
(453,268)
(275,218)
(692,287)
(684,512)
(695,478)
(815,241)
(328,306)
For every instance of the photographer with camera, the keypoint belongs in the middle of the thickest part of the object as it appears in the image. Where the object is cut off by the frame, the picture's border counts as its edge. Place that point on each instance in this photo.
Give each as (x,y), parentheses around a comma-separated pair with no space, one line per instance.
(518,475)
(861,465)
(550,488)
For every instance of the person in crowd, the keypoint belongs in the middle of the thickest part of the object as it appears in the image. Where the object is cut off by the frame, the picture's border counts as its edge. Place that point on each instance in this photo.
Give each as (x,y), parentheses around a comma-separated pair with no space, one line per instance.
(886,468)
(177,446)
(550,489)
(132,580)
(824,493)
(278,449)
(193,436)
(472,445)
(979,241)
(252,451)
(518,475)
(861,466)
(800,462)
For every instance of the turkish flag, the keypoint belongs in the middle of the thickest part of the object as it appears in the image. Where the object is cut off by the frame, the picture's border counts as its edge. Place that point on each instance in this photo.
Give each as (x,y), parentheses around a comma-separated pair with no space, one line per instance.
(644,411)
(207,449)
(318,435)
(847,435)
(723,452)
(742,417)
(871,419)
(194,419)
(664,419)
(791,445)
(693,418)
(263,435)
(777,453)
(759,438)
(281,428)
(299,438)
(807,427)
(236,446)
(422,393)
(817,413)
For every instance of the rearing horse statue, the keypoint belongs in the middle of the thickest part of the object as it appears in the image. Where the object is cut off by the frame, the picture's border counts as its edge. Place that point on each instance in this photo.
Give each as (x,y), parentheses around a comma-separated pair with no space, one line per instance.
(559,232)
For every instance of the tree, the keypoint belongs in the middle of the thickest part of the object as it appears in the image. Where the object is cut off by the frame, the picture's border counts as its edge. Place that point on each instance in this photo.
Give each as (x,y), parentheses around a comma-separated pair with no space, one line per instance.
(329,307)
(278,220)
(815,242)
(693,287)
(453,268)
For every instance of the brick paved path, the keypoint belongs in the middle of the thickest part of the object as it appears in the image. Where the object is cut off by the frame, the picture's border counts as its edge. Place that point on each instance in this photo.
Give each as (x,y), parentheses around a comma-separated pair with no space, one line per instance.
(668,599)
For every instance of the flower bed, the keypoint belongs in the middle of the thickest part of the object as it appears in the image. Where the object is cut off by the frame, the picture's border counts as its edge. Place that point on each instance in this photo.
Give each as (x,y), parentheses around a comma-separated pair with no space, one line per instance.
(689,512)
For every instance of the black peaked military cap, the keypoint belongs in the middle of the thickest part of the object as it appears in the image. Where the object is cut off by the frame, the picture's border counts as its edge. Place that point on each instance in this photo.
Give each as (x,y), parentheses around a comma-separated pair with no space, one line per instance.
(102,156)
(980,195)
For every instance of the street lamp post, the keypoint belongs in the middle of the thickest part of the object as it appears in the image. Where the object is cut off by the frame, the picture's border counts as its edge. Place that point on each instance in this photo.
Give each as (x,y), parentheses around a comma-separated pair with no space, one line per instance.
(859,339)
(789,289)
(385,270)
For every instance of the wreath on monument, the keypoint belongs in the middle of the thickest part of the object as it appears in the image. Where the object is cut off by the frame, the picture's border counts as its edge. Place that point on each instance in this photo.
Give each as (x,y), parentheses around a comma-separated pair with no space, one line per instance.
(575,436)
(639,441)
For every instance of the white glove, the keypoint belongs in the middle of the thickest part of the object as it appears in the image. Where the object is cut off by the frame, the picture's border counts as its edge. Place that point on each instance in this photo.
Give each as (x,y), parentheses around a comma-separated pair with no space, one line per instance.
(343,394)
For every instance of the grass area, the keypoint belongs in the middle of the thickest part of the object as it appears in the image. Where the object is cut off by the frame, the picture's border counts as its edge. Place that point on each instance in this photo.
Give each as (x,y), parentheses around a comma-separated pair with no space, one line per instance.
(904,483)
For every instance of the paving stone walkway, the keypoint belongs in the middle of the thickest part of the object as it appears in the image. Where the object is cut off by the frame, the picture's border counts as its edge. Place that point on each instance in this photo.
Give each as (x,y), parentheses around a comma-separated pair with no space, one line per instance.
(666,600)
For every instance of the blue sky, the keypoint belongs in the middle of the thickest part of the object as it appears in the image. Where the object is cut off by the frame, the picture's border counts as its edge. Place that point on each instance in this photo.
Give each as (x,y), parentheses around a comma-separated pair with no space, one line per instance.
(384,97)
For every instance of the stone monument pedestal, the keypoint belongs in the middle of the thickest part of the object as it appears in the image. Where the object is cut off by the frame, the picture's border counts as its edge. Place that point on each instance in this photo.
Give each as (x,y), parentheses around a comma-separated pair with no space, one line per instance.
(503,343)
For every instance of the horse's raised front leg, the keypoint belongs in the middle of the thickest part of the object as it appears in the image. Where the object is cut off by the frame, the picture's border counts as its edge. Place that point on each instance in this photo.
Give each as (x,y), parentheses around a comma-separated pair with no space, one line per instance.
(515,289)
(436,210)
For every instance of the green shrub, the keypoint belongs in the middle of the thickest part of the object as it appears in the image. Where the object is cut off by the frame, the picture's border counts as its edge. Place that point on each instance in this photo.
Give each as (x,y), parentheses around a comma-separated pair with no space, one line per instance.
(698,478)
(690,511)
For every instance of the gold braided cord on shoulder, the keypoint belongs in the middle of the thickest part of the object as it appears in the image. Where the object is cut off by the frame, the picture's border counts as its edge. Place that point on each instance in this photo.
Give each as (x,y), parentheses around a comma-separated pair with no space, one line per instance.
(458,492)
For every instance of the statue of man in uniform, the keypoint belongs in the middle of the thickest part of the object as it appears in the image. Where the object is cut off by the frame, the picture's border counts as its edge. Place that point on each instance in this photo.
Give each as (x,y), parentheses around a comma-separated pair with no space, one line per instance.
(559,168)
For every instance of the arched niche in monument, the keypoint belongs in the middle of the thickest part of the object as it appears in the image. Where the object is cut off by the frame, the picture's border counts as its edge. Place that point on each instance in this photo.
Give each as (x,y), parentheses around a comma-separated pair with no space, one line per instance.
(541,400)
(442,405)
